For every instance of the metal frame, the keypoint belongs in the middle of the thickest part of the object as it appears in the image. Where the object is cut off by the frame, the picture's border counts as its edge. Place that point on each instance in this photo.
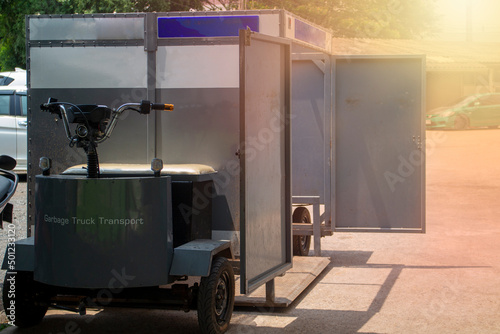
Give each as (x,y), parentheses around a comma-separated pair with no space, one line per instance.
(249,284)
(152,90)
(323,62)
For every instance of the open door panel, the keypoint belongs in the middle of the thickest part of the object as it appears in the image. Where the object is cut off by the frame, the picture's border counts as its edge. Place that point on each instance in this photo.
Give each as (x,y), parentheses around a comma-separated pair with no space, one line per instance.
(265,220)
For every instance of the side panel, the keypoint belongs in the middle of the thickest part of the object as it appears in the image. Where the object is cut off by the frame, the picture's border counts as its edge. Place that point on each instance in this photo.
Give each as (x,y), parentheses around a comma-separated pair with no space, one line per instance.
(206,26)
(311,126)
(87,59)
(203,84)
(90,67)
(90,229)
(380,150)
(92,27)
(265,159)
(197,66)
(268,23)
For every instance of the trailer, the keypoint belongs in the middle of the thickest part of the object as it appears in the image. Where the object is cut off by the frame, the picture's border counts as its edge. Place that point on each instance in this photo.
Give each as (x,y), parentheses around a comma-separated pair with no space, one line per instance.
(272,140)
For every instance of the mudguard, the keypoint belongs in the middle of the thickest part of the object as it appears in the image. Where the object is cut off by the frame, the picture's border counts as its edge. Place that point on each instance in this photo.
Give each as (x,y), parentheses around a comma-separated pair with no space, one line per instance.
(195,257)
(21,256)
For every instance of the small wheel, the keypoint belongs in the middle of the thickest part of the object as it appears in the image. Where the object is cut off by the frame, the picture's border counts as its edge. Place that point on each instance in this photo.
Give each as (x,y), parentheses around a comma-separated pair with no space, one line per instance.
(26,297)
(216,298)
(301,243)
(461,123)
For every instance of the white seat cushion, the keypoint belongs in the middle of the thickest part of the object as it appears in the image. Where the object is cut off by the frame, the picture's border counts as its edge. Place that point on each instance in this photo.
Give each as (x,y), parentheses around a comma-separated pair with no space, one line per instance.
(142,169)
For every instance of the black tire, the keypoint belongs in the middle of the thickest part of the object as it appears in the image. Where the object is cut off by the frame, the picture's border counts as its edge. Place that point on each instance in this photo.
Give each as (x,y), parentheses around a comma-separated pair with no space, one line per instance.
(461,123)
(301,243)
(216,298)
(28,300)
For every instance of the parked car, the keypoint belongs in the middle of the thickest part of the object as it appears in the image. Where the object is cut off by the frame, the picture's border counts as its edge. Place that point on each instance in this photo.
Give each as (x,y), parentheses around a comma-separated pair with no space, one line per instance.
(15,78)
(480,110)
(13,124)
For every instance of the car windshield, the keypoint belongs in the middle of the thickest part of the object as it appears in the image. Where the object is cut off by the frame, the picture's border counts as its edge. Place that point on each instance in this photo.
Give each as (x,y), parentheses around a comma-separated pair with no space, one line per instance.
(462,102)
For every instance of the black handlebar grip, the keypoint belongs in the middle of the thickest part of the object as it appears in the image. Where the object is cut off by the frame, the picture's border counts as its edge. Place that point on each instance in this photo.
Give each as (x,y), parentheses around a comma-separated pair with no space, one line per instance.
(161,106)
(50,106)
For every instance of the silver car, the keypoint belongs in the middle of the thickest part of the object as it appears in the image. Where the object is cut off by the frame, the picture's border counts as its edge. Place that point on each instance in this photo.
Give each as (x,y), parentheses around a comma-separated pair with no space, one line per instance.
(13,123)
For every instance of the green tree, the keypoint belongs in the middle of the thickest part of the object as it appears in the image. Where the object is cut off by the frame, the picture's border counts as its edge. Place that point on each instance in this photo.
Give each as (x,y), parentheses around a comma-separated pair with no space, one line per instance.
(222,5)
(363,18)
(12,28)
(96,6)
(12,22)
(12,18)
(168,5)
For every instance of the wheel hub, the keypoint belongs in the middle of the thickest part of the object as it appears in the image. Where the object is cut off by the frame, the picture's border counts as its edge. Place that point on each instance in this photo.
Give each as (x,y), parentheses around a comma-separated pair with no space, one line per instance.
(221,297)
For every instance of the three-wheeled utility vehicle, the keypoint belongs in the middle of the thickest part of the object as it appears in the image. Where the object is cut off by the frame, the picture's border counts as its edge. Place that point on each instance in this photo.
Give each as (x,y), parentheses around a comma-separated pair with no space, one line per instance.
(119,231)
(105,234)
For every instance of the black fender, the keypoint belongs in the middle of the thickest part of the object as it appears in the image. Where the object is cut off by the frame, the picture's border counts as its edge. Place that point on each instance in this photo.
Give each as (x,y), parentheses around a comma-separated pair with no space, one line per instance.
(20,255)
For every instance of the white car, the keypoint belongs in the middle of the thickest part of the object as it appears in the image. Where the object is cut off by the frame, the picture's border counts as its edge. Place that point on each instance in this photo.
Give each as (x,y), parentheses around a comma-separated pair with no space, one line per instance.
(13,122)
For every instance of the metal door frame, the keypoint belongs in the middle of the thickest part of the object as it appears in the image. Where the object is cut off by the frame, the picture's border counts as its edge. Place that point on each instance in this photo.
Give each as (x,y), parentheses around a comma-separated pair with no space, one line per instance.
(250,284)
(419,141)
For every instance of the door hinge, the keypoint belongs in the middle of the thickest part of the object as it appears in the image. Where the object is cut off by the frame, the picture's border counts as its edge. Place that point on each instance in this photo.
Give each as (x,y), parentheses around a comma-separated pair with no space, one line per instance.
(248,33)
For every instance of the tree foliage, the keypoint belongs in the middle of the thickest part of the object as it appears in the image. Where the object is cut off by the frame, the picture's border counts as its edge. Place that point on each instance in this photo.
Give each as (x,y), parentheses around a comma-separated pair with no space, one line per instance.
(12,28)
(363,18)
(353,18)
(12,18)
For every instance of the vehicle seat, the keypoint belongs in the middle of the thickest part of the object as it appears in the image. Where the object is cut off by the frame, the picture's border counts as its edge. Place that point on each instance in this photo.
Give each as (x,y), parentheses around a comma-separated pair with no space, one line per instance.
(177,171)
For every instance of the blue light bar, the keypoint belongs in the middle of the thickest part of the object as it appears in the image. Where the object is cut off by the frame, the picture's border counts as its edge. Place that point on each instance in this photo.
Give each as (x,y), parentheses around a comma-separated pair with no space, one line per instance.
(310,34)
(205,26)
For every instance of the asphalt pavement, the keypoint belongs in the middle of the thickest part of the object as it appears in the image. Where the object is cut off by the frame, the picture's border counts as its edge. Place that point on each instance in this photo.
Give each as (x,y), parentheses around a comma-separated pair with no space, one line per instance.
(444,281)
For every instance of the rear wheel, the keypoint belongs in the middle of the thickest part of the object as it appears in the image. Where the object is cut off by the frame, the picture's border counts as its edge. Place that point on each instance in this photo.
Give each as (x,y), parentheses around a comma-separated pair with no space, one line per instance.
(461,123)
(24,300)
(216,298)
(301,243)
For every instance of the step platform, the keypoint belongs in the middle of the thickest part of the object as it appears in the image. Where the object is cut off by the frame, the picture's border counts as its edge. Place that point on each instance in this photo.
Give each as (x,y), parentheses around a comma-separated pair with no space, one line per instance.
(288,287)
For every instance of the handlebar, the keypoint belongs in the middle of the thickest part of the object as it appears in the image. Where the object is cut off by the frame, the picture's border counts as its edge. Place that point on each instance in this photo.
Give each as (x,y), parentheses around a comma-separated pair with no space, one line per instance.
(95,123)
(94,119)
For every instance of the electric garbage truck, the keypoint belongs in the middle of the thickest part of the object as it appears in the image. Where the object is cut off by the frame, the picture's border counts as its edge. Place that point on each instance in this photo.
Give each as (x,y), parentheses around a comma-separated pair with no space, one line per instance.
(267,125)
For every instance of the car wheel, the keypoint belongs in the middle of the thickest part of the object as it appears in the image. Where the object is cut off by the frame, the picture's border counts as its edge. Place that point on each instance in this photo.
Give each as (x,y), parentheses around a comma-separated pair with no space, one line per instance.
(461,123)
(216,298)
(27,298)
(301,243)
